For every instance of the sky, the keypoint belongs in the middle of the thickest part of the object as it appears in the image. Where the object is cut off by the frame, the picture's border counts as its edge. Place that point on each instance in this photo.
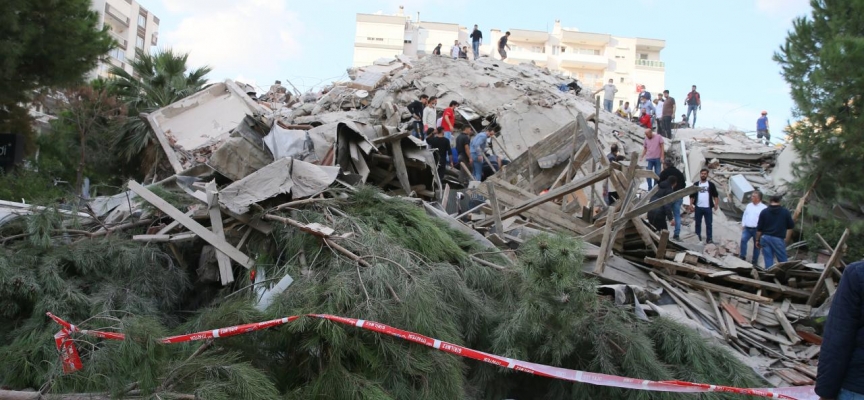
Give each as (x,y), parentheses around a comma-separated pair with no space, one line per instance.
(723,47)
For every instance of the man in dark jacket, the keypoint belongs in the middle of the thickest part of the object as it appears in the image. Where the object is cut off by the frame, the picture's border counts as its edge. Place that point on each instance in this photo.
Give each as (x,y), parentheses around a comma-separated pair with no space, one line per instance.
(841,361)
(668,171)
(704,203)
(774,231)
(416,109)
(658,216)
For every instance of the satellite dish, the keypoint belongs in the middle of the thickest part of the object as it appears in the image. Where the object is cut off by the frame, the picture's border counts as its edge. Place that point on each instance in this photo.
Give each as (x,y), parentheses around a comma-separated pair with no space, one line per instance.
(362,94)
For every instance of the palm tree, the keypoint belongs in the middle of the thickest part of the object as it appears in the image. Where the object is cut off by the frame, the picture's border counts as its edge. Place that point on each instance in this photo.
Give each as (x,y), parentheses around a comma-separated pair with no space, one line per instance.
(157,80)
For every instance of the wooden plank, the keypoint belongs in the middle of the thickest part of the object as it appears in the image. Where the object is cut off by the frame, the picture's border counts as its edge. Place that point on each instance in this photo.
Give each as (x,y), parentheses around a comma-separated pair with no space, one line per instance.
(674,296)
(173,224)
(817,290)
(638,211)
(496,211)
(830,286)
(644,233)
(787,326)
(552,195)
(720,274)
(733,312)
(605,244)
(809,337)
(723,289)
(706,271)
(717,312)
(151,238)
(810,352)
(664,240)
(198,229)
(754,312)
(773,338)
(788,352)
(401,169)
(829,248)
(446,196)
(794,377)
(225,273)
(730,324)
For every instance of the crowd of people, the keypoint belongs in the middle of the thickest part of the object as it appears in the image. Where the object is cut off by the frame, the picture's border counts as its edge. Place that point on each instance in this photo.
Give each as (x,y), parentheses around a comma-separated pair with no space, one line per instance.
(460,51)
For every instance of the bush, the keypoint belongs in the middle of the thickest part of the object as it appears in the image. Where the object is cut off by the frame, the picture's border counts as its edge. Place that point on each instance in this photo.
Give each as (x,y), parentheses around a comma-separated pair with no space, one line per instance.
(831,230)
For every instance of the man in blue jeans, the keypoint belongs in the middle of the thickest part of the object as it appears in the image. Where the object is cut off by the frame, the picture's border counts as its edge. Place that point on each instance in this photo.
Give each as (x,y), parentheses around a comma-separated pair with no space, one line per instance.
(476,41)
(652,151)
(748,226)
(704,203)
(841,361)
(693,102)
(670,170)
(478,152)
(609,91)
(773,232)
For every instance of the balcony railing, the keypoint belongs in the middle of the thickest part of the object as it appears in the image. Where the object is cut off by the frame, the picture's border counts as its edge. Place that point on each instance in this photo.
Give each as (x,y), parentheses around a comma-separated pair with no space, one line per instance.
(386,42)
(116,14)
(519,54)
(121,42)
(583,60)
(650,63)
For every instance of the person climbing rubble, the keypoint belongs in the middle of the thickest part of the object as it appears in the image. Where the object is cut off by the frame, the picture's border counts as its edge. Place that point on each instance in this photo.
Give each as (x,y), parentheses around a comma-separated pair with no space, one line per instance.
(669,170)
(703,204)
(455,50)
(463,148)
(437,141)
(667,112)
(437,50)
(448,119)
(762,128)
(478,152)
(653,152)
(430,114)
(647,110)
(611,196)
(774,231)
(749,222)
(658,216)
(609,91)
(693,102)
(416,109)
(502,43)
(624,111)
(476,41)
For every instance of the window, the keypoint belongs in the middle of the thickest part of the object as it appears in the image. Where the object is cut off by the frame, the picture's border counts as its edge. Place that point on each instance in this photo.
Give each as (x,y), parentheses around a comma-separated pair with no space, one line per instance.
(142,21)
(375,39)
(139,42)
(118,54)
(622,79)
(154,38)
(643,56)
(538,49)
(407,41)
(563,49)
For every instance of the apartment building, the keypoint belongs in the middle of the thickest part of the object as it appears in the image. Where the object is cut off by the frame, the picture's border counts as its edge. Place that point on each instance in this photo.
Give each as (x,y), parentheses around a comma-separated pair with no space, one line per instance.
(131,25)
(592,58)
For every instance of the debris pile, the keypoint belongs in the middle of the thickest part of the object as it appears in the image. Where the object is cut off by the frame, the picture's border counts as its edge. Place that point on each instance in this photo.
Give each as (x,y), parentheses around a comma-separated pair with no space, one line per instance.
(247,170)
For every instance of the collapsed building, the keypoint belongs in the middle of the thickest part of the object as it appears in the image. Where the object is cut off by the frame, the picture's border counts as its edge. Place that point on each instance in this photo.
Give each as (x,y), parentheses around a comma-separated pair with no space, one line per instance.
(236,157)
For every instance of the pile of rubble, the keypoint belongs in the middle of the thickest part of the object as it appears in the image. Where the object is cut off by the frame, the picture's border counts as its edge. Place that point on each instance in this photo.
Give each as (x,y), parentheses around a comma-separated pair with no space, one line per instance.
(238,157)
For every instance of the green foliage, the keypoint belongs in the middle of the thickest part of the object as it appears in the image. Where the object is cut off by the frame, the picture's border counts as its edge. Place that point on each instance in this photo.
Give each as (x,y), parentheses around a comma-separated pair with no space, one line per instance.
(820,61)
(831,230)
(157,80)
(420,278)
(46,43)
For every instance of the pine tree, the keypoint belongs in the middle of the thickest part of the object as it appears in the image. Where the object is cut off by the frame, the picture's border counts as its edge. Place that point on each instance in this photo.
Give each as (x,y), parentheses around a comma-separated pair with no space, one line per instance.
(821,61)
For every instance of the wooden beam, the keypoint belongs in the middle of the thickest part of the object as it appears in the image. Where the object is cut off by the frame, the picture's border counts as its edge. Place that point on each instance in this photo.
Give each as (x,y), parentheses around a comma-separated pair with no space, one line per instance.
(730,325)
(172,225)
(552,195)
(496,211)
(159,238)
(401,169)
(817,290)
(445,197)
(829,248)
(189,223)
(705,271)
(716,309)
(605,244)
(735,314)
(787,326)
(723,289)
(643,209)
(226,275)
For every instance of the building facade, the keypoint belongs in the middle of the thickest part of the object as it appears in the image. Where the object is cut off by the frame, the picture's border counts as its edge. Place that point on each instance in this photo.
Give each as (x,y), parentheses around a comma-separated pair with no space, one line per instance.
(131,26)
(592,58)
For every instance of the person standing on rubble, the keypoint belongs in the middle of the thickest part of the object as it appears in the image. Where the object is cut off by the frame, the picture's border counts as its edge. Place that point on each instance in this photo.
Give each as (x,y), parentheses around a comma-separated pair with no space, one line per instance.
(704,203)
(653,152)
(774,231)
(463,53)
(476,41)
(625,111)
(430,114)
(502,43)
(658,216)
(762,128)
(454,51)
(666,114)
(669,170)
(448,119)
(463,149)
(437,50)
(658,110)
(611,195)
(647,113)
(840,374)
(478,152)
(441,145)
(416,109)
(609,91)
(693,102)
(748,226)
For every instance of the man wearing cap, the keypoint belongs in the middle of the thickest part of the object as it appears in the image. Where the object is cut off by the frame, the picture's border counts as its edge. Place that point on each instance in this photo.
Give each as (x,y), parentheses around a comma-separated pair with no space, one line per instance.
(774,231)
(762,128)
(670,170)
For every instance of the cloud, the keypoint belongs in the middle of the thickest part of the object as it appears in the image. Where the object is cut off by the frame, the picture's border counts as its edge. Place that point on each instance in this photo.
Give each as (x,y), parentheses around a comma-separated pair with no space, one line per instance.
(235,36)
(783,9)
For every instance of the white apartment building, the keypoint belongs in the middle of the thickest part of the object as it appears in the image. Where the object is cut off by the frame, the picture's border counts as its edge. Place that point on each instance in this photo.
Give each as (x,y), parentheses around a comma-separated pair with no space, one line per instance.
(592,58)
(131,25)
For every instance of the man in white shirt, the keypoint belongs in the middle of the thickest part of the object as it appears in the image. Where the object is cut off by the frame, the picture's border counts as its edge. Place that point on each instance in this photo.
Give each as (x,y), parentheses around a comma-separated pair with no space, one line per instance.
(748,225)
(429,113)
(454,51)
(624,111)
(658,107)
(609,91)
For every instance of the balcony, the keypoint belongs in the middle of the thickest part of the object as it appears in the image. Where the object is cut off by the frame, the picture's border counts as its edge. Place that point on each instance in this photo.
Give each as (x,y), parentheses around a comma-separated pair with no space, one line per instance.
(520,55)
(121,42)
(653,64)
(524,35)
(381,43)
(117,15)
(570,38)
(583,61)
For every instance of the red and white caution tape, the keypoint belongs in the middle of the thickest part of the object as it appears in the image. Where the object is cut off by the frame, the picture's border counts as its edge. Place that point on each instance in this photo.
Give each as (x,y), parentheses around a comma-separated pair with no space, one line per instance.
(72,362)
